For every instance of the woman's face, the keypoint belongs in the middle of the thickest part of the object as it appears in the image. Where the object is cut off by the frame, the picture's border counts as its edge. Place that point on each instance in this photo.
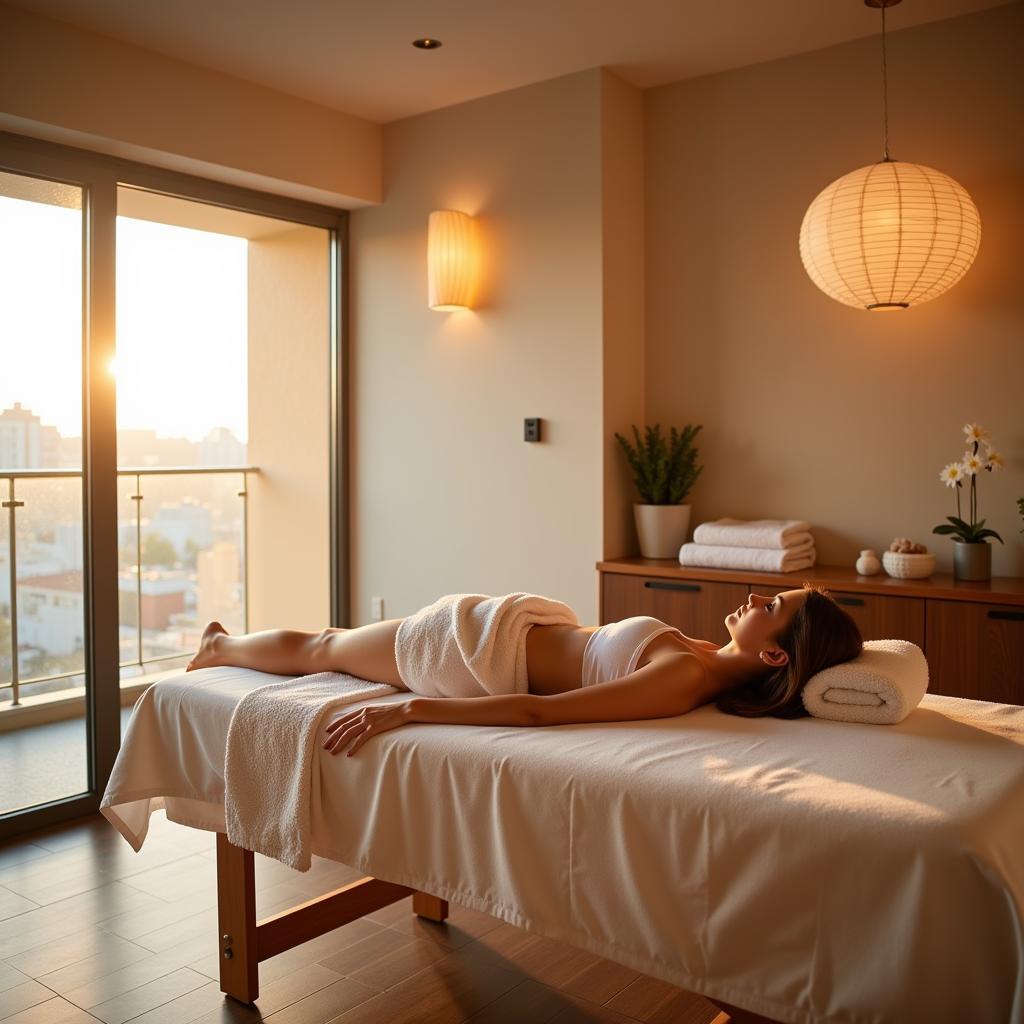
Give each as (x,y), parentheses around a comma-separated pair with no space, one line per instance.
(756,625)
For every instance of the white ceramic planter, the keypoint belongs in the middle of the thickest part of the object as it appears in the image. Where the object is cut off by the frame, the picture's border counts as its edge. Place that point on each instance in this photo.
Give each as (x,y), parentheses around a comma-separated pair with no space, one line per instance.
(662,529)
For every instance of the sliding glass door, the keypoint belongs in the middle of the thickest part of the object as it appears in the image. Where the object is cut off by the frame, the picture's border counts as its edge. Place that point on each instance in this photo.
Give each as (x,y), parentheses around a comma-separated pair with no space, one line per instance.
(43,684)
(161,336)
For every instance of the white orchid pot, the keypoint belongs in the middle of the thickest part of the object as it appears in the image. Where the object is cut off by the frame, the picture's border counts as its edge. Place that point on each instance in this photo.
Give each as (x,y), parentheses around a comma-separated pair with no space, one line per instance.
(662,529)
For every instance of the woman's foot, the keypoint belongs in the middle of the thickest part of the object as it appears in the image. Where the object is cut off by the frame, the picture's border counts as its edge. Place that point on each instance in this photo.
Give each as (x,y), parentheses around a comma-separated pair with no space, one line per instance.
(206,656)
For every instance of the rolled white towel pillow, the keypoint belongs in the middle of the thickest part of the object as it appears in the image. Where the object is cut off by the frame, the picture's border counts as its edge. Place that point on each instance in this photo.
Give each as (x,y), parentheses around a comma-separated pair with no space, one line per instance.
(881,686)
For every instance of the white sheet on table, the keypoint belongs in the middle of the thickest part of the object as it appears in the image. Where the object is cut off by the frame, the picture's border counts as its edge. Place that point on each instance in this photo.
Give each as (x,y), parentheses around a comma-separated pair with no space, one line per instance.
(808,870)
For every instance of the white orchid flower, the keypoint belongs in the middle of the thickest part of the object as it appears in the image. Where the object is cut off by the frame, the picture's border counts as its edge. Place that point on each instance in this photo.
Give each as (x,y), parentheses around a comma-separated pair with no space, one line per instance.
(952,474)
(972,464)
(976,433)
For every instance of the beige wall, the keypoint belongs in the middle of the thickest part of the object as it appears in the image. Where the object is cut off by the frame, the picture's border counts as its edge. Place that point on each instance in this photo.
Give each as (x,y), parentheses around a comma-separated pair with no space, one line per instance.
(70,85)
(812,409)
(447,496)
(622,255)
(289,386)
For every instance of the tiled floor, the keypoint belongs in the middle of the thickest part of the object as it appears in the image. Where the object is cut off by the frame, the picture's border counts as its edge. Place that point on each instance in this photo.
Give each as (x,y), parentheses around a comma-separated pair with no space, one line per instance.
(91,931)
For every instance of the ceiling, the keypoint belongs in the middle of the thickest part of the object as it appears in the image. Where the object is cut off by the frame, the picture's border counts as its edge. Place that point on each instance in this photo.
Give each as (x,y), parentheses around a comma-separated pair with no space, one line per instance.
(355,55)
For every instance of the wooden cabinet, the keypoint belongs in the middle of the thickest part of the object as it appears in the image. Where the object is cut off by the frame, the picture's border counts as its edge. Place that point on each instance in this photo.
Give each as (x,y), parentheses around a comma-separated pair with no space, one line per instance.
(971,633)
(697,607)
(976,650)
(877,617)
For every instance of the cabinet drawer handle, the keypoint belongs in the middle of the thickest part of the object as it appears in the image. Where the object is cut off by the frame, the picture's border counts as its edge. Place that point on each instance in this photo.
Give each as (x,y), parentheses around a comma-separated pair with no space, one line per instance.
(857,602)
(1007,616)
(664,585)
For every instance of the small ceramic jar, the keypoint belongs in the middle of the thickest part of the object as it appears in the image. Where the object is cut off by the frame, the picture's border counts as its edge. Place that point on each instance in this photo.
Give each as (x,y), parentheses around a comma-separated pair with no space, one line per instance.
(868,563)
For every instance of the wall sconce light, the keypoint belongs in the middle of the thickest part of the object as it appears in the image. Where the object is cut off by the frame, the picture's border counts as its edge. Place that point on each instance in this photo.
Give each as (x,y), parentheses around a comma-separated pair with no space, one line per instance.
(451,262)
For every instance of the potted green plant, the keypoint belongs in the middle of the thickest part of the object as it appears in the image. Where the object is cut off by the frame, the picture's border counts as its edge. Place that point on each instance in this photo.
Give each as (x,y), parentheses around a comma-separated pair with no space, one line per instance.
(972,555)
(664,471)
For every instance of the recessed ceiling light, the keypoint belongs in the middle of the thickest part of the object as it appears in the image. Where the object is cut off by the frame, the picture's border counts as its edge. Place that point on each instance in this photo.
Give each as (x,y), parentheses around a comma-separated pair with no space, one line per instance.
(426,43)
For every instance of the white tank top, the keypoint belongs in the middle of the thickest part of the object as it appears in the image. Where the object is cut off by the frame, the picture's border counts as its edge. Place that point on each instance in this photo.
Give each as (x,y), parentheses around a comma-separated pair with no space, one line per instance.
(614,650)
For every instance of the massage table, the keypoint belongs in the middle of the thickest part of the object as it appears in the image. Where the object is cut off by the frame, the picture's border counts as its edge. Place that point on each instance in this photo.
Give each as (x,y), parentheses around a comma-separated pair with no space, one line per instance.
(809,871)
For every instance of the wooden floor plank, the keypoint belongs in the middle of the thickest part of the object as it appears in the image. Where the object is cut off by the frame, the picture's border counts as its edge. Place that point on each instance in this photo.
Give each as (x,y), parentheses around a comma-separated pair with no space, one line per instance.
(184,1009)
(445,993)
(11,904)
(657,1002)
(357,957)
(107,986)
(19,851)
(528,1001)
(195,926)
(53,1011)
(104,961)
(73,948)
(9,977)
(600,981)
(580,1011)
(26,931)
(154,993)
(276,996)
(398,965)
(325,1004)
(28,993)
(132,925)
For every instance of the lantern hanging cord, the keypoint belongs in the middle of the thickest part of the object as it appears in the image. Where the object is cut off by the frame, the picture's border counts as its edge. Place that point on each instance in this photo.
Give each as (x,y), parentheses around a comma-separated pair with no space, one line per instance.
(885,91)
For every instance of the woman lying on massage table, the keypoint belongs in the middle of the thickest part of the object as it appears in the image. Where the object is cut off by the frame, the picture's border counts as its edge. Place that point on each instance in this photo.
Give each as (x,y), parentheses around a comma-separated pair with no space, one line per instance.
(645,668)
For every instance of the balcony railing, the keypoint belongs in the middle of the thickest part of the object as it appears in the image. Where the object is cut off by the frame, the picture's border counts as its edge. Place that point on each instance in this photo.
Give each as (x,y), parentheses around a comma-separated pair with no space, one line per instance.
(12,504)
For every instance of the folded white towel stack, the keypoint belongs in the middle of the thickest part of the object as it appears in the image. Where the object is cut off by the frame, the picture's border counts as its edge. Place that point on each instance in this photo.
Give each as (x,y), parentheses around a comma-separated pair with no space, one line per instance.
(718,556)
(755,533)
(881,686)
(765,545)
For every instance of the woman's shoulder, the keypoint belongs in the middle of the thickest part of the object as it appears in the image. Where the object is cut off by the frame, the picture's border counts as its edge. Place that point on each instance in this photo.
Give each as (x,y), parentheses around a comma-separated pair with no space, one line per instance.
(687,669)
(680,661)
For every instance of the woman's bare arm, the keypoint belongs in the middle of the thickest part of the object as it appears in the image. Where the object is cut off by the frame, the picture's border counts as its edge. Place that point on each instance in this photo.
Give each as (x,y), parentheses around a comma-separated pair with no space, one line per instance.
(666,687)
(672,685)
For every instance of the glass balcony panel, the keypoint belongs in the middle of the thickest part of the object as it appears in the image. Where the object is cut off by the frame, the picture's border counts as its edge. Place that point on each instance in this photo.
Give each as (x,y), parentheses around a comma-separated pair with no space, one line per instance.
(51,594)
(192,549)
(5,596)
(127,558)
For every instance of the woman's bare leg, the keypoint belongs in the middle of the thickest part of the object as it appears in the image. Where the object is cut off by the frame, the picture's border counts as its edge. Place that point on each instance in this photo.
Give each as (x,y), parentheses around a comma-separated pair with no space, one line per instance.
(367,652)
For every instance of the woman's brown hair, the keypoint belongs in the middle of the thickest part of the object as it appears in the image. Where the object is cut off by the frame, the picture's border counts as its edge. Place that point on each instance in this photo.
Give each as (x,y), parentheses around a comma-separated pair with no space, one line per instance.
(819,635)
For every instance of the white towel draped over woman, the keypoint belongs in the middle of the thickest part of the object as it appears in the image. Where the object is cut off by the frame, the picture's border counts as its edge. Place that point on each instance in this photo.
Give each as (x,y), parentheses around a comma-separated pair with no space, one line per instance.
(472,645)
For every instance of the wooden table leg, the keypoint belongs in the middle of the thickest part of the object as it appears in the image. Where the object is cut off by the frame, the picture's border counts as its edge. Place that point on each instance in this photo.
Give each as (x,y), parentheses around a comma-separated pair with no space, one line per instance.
(432,907)
(735,1015)
(236,905)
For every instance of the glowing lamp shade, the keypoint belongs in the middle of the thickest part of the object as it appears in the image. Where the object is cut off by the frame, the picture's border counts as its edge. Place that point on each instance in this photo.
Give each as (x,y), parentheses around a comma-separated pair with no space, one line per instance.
(450,260)
(889,236)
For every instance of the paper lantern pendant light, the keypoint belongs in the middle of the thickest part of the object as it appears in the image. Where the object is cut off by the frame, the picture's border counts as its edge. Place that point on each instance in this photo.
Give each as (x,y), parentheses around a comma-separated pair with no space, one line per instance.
(890,235)
(450,260)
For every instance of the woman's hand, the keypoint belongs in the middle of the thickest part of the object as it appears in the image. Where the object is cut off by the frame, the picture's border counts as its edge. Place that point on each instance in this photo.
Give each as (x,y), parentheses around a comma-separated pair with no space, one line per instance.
(362,723)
